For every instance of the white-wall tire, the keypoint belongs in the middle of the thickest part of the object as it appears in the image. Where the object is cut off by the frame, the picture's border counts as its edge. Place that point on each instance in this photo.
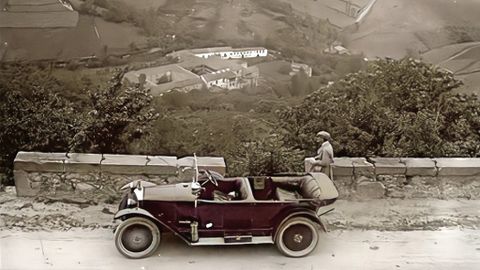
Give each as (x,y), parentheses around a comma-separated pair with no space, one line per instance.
(137,237)
(297,237)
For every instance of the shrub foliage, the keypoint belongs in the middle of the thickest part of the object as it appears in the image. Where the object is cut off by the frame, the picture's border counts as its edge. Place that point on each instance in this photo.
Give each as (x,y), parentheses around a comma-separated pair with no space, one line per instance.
(34,117)
(393,108)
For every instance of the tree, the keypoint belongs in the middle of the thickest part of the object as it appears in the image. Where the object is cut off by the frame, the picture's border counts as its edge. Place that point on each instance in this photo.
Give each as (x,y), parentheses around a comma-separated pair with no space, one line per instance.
(393,108)
(33,117)
(116,116)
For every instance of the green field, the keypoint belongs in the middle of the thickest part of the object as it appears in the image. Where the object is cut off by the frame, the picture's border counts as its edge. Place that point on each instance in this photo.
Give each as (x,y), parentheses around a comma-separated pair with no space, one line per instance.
(66,43)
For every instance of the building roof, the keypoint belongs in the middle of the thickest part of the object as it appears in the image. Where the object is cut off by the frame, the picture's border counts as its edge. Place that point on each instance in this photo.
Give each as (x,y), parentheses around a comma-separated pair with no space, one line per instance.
(178,73)
(180,78)
(299,66)
(156,90)
(249,49)
(213,62)
(210,50)
(219,75)
(252,70)
(38,14)
(32,2)
(37,6)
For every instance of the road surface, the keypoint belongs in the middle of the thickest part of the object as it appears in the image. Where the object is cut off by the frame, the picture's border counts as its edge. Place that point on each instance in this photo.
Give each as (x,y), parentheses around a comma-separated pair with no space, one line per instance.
(94,249)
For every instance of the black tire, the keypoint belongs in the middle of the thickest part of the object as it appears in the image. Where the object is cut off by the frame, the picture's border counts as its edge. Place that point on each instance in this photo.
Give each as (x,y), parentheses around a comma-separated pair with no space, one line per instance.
(137,237)
(297,237)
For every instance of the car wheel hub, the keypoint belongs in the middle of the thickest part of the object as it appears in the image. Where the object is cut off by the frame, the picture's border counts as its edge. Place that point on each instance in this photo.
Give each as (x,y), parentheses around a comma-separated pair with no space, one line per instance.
(137,238)
(298,237)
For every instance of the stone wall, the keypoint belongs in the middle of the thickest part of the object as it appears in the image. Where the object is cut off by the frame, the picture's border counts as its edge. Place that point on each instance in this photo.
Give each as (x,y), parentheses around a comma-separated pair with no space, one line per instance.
(98,177)
(406,177)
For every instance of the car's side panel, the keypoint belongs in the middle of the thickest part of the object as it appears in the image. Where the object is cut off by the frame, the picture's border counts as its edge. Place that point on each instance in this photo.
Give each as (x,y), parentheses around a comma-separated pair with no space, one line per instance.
(265,212)
(162,210)
(220,219)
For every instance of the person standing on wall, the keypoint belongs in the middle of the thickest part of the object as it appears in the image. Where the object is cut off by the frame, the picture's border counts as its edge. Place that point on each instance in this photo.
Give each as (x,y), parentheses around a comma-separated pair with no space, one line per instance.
(324,157)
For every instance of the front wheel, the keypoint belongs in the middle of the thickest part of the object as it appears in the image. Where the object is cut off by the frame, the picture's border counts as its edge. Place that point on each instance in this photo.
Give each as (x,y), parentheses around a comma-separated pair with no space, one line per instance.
(297,237)
(137,237)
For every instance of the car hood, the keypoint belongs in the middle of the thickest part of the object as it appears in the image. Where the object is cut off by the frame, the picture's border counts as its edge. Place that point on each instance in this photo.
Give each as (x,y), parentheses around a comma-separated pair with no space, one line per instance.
(170,192)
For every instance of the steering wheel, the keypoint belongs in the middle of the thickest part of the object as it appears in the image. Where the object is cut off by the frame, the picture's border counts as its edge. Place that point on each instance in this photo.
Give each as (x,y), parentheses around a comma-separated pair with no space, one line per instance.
(210,178)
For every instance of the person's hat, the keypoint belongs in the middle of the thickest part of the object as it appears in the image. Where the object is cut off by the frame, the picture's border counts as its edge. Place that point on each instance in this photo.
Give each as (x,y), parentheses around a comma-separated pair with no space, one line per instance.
(324,135)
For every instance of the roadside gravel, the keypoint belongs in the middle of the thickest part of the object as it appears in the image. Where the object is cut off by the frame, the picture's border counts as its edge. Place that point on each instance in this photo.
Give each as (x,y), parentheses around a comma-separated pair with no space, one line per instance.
(30,214)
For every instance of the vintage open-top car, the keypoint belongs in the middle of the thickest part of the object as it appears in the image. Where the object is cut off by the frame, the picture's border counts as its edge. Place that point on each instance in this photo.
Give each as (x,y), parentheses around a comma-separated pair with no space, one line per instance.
(211,210)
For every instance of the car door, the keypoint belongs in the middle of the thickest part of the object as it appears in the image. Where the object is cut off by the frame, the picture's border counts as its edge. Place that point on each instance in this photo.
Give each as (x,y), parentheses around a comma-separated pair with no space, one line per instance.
(210,218)
(217,219)
(237,216)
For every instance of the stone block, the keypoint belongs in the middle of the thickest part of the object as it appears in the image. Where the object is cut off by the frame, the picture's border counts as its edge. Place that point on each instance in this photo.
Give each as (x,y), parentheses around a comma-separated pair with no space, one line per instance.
(83,163)
(342,166)
(22,184)
(371,190)
(347,180)
(363,178)
(388,166)
(362,167)
(39,162)
(123,164)
(207,163)
(420,166)
(84,187)
(458,166)
(161,165)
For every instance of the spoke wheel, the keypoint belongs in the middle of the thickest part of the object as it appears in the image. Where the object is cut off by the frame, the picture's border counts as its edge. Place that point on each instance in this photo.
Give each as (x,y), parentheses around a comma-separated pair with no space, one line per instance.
(297,237)
(137,237)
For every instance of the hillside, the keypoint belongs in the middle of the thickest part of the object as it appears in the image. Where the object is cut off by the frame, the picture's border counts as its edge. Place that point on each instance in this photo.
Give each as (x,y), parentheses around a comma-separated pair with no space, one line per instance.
(118,26)
(436,30)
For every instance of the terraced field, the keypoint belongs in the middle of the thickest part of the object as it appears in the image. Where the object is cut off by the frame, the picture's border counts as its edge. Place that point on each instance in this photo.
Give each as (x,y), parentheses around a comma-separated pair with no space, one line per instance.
(396,28)
(66,43)
(439,31)
(463,60)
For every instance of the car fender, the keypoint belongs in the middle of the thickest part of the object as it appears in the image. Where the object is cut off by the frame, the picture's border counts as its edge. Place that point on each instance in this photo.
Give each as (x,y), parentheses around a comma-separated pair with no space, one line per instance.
(304,213)
(139,212)
(134,212)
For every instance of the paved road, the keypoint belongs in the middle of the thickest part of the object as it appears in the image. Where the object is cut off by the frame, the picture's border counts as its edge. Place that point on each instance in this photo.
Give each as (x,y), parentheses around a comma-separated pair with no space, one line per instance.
(86,249)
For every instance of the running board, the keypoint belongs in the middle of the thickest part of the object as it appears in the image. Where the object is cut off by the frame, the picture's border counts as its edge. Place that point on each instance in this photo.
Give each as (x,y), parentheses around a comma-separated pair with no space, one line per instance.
(240,240)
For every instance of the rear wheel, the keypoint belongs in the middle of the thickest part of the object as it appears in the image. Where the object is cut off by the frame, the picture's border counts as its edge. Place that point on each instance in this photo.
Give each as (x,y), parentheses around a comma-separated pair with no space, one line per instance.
(297,237)
(137,237)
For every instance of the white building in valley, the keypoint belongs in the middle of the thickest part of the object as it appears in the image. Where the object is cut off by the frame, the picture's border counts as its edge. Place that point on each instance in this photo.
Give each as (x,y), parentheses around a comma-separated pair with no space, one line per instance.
(230,53)
(213,68)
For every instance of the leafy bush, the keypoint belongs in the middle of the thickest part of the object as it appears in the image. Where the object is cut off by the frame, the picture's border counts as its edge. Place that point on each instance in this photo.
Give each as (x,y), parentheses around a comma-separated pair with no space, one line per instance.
(33,117)
(116,116)
(265,157)
(393,108)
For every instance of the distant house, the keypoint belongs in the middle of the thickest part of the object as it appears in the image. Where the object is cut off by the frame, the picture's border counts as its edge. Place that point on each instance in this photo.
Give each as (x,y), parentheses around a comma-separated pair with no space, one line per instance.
(226,80)
(200,68)
(230,53)
(296,67)
(178,78)
(337,49)
(341,50)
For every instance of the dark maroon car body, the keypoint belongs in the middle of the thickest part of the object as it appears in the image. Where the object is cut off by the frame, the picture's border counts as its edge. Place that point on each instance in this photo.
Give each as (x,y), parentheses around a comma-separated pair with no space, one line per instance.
(247,210)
